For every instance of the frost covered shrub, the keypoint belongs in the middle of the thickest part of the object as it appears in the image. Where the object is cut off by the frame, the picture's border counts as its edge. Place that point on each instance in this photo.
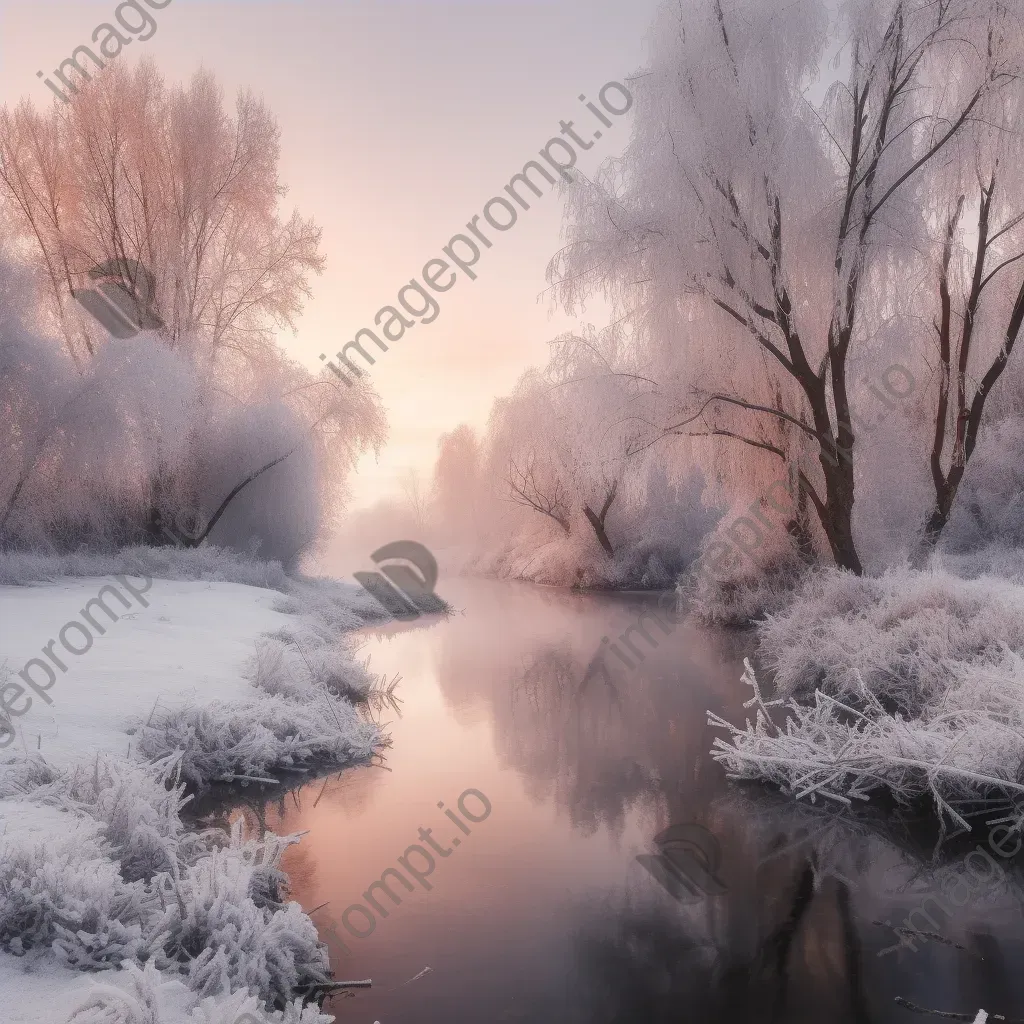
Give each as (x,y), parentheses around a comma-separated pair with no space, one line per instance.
(966,744)
(990,505)
(99,456)
(287,668)
(994,559)
(334,607)
(745,597)
(144,996)
(207,563)
(534,555)
(912,682)
(212,914)
(250,738)
(137,811)
(67,893)
(746,589)
(223,926)
(25,775)
(903,634)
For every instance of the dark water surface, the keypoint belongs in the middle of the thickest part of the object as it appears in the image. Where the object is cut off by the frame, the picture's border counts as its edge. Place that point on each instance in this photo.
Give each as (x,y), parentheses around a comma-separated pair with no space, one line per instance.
(542,913)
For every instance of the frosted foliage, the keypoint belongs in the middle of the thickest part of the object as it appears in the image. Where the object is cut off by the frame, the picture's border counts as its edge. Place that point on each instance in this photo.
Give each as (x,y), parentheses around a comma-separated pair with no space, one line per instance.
(957,751)
(88,463)
(121,881)
(104,455)
(145,996)
(69,894)
(567,432)
(248,739)
(900,634)
(913,683)
(19,568)
(991,506)
(108,442)
(171,177)
(809,195)
(564,487)
(749,589)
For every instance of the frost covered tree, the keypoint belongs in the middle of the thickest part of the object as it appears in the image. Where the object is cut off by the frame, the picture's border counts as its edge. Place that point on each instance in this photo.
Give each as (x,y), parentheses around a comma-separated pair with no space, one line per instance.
(456,483)
(169,180)
(571,432)
(201,427)
(768,248)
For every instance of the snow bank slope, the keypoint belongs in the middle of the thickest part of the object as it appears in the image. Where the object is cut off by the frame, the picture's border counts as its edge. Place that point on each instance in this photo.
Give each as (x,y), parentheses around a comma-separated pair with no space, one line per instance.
(113,710)
(190,644)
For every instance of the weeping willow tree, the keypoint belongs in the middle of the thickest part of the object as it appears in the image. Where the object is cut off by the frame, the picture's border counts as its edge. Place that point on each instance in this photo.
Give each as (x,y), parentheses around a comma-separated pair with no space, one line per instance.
(767,247)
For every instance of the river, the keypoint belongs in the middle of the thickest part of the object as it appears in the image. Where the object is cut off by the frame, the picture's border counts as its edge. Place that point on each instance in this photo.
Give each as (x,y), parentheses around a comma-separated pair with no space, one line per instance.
(531,904)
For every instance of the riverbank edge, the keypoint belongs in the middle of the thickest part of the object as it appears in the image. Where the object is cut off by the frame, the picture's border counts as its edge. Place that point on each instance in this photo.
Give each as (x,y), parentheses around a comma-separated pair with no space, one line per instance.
(320,608)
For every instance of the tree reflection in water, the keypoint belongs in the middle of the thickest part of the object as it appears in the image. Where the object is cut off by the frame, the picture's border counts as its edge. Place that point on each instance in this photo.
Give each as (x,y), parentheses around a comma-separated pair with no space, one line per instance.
(795,936)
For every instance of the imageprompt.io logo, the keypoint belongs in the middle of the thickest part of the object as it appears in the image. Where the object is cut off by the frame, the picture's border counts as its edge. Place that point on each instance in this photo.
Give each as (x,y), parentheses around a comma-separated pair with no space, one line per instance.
(122,301)
(186,531)
(405,593)
(686,863)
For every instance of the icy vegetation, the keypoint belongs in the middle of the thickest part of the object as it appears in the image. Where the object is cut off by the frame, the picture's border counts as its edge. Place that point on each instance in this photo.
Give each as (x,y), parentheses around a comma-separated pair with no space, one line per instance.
(98,867)
(145,996)
(751,585)
(912,683)
(18,568)
(98,870)
(900,635)
(201,425)
(224,742)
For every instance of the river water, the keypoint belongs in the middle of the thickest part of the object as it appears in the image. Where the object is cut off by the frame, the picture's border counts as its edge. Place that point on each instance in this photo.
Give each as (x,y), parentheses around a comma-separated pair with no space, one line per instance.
(537,909)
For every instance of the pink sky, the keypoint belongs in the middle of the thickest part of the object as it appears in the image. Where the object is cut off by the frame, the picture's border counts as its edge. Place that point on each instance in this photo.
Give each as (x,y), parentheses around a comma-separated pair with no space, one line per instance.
(399,121)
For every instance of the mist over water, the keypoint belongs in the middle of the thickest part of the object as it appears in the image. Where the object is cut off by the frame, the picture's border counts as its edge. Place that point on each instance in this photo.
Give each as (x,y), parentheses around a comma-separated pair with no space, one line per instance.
(542,913)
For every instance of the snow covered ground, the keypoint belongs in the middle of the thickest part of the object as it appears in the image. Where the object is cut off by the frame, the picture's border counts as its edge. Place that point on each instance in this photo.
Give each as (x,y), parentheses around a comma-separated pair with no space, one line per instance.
(191,642)
(111,910)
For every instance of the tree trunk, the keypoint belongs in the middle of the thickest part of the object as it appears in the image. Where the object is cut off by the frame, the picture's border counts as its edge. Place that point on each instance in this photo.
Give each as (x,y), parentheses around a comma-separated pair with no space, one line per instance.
(944,498)
(799,527)
(599,530)
(597,520)
(837,514)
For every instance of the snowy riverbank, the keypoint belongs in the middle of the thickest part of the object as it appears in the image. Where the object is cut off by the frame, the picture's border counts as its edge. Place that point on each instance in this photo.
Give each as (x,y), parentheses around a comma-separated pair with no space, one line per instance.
(908,683)
(201,678)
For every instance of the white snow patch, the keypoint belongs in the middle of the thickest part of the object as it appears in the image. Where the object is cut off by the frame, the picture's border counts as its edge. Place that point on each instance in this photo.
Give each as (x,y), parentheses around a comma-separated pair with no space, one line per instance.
(97,871)
(191,643)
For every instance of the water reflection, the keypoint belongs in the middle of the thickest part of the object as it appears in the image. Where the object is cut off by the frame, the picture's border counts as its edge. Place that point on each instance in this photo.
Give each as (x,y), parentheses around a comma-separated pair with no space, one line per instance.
(544,913)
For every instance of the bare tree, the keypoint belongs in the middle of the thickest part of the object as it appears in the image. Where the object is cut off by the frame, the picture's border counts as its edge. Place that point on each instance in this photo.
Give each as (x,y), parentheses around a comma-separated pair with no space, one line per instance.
(136,174)
(587,407)
(759,242)
(544,493)
(415,494)
(987,248)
